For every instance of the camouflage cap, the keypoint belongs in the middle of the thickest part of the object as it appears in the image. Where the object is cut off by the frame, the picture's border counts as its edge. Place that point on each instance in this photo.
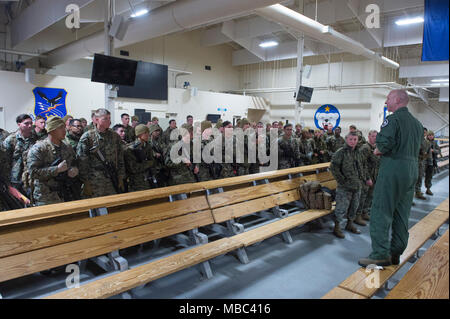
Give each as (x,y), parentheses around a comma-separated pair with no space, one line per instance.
(141,129)
(53,123)
(135,118)
(154,127)
(243,122)
(219,124)
(65,118)
(430,133)
(205,124)
(155,119)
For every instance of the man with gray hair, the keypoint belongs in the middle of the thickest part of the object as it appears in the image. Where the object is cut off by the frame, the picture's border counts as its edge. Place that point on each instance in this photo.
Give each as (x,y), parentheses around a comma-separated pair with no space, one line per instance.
(101,158)
(398,144)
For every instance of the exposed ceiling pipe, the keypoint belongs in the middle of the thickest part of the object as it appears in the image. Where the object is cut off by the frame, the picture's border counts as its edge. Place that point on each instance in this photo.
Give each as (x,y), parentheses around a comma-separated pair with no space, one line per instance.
(175,17)
(300,23)
(21,53)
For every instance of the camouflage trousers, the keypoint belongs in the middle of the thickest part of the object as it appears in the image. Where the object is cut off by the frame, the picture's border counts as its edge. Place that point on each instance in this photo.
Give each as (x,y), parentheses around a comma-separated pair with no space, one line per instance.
(347,203)
(428,175)
(365,201)
(101,185)
(420,178)
(227,170)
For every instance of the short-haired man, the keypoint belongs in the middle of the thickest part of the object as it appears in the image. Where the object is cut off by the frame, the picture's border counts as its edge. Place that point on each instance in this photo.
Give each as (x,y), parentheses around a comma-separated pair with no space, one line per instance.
(288,149)
(139,160)
(46,173)
(336,141)
(129,130)
(346,167)
(398,144)
(16,146)
(39,127)
(166,135)
(101,161)
(190,120)
(120,130)
(74,133)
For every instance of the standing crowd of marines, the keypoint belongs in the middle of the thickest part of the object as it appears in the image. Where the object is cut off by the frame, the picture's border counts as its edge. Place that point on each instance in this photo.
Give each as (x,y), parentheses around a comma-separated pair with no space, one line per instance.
(55,160)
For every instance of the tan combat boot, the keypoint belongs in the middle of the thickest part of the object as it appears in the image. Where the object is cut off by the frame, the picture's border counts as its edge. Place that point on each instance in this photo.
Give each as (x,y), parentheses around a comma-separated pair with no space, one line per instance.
(337,231)
(351,228)
(428,192)
(360,221)
(366,216)
(419,195)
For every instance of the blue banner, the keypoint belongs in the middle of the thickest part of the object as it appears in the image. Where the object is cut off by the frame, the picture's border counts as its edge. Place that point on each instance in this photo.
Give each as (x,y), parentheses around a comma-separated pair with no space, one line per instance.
(50,102)
(435,31)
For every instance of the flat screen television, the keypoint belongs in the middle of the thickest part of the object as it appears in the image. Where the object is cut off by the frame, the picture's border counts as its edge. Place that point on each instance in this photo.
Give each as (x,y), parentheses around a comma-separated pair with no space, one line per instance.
(112,70)
(151,83)
(304,94)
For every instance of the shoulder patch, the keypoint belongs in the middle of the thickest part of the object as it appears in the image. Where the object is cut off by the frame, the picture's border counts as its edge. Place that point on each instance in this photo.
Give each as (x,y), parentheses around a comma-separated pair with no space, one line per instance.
(385,123)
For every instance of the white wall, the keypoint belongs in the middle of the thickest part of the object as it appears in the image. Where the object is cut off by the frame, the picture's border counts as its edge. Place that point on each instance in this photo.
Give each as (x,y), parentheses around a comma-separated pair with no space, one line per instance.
(181,52)
(16,97)
(362,107)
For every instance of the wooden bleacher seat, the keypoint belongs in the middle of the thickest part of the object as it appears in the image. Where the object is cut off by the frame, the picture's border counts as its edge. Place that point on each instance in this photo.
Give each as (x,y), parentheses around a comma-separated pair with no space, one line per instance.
(428,278)
(30,244)
(418,235)
(239,202)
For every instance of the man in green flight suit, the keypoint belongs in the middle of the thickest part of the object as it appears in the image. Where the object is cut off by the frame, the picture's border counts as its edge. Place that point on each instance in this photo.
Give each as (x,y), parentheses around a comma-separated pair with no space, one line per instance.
(398,145)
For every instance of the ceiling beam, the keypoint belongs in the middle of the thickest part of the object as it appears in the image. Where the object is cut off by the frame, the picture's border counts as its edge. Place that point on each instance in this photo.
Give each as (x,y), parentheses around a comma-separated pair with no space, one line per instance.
(251,44)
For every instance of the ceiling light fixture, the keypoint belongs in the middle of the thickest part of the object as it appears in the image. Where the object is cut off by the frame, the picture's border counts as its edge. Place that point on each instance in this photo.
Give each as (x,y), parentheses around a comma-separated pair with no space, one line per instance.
(408,21)
(268,44)
(139,13)
(440,80)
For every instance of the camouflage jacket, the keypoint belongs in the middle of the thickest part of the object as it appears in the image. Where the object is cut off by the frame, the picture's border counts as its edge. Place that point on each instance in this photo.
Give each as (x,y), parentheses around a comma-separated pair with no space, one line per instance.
(130,135)
(288,152)
(138,161)
(425,148)
(319,144)
(3,135)
(16,145)
(43,169)
(179,173)
(347,168)
(72,140)
(435,150)
(165,138)
(110,146)
(370,161)
(334,143)
(306,151)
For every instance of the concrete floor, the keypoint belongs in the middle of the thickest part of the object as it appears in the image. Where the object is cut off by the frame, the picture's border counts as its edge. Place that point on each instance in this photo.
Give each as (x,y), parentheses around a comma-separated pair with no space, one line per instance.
(312,265)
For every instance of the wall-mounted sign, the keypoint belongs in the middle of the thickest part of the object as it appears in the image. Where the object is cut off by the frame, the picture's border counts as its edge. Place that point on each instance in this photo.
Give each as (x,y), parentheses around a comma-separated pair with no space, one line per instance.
(50,102)
(327,115)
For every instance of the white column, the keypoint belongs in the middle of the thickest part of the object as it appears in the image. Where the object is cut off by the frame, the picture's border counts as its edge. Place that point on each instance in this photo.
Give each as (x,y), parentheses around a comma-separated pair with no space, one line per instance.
(109,47)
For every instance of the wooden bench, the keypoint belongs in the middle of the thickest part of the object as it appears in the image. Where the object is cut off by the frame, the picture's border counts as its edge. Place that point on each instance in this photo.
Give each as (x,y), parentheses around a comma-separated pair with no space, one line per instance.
(418,235)
(41,238)
(255,198)
(428,278)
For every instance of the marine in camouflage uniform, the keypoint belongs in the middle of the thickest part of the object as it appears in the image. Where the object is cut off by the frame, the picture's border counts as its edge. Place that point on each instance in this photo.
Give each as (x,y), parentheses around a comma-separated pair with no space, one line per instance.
(139,160)
(371,164)
(205,170)
(16,146)
(244,168)
(183,172)
(288,149)
(227,166)
(424,153)
(347,169)
(434,151)
(44,171)
(166,135)
(130,135)
(3,135)
(305,148)
(158,170)
(335,141)
(4,172)
(74,134)
(319,147)
(93,173)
